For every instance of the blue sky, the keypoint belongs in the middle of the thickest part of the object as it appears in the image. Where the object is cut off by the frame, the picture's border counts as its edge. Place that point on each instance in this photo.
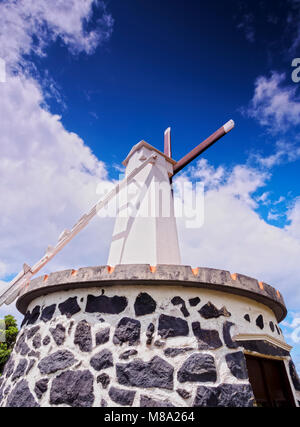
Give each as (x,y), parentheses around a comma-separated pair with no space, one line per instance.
(87,80)
(183,64)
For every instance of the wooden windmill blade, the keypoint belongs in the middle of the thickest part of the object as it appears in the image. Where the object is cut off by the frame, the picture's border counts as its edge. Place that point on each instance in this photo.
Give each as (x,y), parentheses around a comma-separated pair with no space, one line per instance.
(212,139)
(167,143)
(23,277)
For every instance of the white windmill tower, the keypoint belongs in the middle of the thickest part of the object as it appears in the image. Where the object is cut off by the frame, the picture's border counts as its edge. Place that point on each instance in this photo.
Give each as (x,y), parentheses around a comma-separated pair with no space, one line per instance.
(149,236)
(145,330)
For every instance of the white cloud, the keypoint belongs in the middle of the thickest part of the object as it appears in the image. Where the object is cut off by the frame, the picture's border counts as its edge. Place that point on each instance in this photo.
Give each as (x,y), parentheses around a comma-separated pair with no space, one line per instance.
(294,218)
(235,238)
(6,310)
(263,198)
(273,216)
(207,173)
(48,176)
(241,181)
(246,25)
(28,26)
(293,328)
(275,106)
(285,152)
(279,201)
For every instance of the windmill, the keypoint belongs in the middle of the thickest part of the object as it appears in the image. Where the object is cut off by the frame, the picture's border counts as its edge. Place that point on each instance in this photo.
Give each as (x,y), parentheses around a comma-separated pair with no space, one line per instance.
(167,334)
(135,239)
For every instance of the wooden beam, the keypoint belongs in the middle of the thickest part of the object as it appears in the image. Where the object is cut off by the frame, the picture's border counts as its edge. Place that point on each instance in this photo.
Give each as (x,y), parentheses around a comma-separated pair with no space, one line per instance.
(167,145)
(22,279)
(212,139)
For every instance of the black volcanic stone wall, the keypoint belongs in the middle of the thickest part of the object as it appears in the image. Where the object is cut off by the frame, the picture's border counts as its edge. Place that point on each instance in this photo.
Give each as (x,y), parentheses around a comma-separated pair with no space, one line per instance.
(20,369)
(148,402)
(194,301)
(225,395)
(263,347)
(41,387)
(102,337)
(209,311)
(48,313)
(207,339)
(62,359)
(104,380)
(198,368)
(102,360)
(150,333)
(34,315)
(227,335)
(173,352)
(169,326)
(83,336)
(260,322)
(73,388)
(127,331)
(122,397)
(144,304)
(59,334)
(181,302)
(106,305)
(294,375)
(237,364)
(156,373)
(21,397)
(146,351)
(31,332)
(69,307)
(21,345)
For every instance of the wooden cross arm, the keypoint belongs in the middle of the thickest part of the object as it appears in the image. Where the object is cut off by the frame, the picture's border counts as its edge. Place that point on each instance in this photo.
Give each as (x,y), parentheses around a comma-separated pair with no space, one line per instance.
(23,278)
(203,146)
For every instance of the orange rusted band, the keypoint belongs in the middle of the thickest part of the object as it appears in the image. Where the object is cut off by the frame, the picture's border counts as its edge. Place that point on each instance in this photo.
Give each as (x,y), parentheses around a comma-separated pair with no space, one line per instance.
(110,269)
(195,271)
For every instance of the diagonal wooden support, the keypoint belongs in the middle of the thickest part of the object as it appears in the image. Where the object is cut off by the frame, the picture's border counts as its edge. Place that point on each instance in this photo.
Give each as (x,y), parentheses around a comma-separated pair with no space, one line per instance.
(167,143)
(22,279)
(212,139)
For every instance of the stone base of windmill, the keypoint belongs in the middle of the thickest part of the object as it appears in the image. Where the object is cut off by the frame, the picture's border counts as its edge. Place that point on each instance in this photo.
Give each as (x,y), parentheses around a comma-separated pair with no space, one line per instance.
(140,336)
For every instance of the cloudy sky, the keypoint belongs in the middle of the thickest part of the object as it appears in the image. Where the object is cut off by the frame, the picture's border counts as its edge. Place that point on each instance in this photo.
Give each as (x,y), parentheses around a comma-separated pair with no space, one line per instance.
(86,80)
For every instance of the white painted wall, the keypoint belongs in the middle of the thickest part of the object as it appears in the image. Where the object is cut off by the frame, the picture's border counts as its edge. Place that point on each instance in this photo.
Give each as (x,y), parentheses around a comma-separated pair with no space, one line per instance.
(236,305)
(145,230)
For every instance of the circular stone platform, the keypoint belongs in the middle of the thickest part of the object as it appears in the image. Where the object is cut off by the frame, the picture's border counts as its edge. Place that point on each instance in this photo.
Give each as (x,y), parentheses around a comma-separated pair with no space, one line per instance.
(167,275)
(137,335)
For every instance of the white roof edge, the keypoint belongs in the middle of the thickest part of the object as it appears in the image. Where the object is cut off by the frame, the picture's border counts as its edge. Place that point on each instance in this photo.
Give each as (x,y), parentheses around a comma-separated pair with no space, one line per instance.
(150,147)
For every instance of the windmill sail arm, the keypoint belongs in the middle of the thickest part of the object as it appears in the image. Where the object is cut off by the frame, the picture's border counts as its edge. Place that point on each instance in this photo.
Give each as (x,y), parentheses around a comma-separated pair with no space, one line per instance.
(212,139)
(167,143)
(23,278)
(10,294)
